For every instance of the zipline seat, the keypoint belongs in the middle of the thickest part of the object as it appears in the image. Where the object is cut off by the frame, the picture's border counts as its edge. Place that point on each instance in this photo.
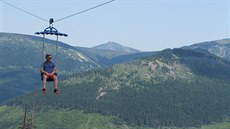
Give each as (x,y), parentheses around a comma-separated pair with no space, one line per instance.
(50,31)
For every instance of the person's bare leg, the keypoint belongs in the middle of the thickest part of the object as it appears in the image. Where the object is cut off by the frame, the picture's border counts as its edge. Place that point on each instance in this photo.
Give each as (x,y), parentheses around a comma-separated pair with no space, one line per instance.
(55,85)
(55,82)
(44,84)
(44,81)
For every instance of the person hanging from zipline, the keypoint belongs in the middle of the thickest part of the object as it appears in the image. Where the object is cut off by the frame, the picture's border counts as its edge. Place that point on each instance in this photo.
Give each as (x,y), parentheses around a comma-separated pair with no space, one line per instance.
(48,73)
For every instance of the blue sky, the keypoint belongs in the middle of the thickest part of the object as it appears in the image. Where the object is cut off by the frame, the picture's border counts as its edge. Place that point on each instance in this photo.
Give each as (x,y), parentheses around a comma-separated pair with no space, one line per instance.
(147,25)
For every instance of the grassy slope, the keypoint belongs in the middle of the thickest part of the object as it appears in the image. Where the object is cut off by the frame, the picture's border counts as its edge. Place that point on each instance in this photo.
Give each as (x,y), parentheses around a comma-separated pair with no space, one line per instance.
(12,118)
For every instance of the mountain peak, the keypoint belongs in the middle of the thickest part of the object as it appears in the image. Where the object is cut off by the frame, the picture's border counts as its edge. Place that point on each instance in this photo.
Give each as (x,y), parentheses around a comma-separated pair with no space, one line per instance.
(114,46)
(113,43)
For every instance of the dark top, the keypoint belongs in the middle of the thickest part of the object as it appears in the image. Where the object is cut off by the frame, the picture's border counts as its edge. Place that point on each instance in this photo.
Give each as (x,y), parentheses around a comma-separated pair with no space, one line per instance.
(48,66)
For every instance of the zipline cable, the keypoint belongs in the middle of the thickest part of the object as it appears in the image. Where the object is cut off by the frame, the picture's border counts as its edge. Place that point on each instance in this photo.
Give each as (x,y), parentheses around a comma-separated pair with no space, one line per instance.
(85,10)
(61,18)
(25,11)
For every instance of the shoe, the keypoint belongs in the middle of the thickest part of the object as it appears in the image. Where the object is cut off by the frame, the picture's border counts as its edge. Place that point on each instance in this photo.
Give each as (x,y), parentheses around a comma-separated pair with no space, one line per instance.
(55,91)
(43,91)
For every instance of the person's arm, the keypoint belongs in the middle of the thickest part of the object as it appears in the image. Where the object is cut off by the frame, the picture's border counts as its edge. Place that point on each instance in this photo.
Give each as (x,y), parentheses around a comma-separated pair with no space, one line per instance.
(42,70)
(54,70)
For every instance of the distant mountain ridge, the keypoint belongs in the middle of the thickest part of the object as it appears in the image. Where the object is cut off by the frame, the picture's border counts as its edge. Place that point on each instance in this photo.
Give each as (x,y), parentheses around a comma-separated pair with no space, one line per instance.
(221,48)
(113,46)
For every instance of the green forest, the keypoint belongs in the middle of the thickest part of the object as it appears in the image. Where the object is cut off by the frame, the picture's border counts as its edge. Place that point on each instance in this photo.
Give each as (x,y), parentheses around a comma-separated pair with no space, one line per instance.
(185,89)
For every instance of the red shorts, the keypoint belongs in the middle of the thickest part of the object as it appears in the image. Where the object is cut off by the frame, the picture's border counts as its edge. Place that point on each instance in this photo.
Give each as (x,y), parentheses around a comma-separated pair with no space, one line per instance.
(49,76)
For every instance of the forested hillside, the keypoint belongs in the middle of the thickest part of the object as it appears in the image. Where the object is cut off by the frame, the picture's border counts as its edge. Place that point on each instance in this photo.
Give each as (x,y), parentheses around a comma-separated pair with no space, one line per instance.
(21,57)
(174,88)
